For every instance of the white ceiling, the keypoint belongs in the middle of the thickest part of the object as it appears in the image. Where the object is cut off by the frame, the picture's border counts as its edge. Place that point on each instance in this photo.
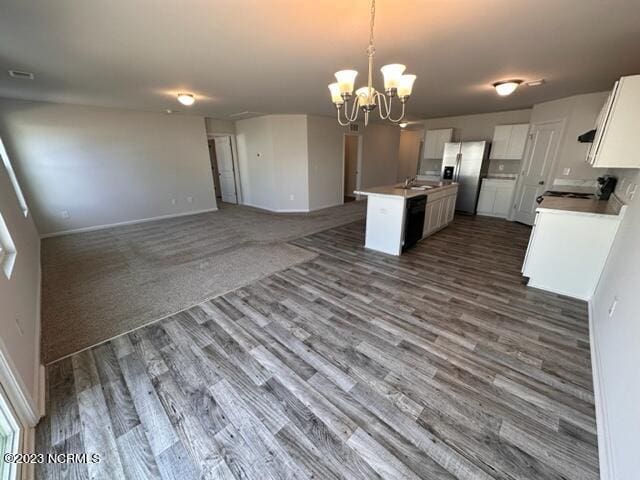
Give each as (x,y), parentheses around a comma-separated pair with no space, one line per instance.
(278,56)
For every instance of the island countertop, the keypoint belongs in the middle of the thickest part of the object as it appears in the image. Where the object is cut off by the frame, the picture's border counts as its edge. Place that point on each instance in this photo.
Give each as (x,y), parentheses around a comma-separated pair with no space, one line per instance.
(396,190)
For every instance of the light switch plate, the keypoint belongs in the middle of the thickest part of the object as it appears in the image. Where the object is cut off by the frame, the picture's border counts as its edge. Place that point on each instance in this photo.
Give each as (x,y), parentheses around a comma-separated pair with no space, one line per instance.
(566,171)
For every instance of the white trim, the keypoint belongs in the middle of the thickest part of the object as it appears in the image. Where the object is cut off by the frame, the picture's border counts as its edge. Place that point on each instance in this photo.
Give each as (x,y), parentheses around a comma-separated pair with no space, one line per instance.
(17,391)
(605,442)
(128,222)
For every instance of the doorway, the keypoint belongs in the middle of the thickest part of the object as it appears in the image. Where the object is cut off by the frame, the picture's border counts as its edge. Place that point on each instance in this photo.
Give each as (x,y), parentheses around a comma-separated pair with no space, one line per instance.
(537,169)
(223,168)
(352,152)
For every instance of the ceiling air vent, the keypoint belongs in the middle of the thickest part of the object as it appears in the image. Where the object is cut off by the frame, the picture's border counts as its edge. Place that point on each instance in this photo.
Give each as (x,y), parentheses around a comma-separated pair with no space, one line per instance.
(21,75)
(354,127)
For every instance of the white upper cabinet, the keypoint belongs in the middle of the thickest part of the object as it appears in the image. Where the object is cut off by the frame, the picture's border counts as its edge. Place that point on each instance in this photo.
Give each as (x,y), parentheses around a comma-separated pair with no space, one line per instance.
(617,127)
(509,141)
(434,141)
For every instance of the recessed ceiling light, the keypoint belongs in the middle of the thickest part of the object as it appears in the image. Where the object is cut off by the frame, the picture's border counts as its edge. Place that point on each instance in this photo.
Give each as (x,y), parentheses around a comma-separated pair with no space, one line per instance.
(186,99)
(22,75)
(507,87)
(535,83)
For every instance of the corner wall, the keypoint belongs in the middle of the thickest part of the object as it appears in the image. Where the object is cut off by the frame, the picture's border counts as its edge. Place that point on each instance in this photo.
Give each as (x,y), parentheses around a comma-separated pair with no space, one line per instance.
(20,309)
(105,166)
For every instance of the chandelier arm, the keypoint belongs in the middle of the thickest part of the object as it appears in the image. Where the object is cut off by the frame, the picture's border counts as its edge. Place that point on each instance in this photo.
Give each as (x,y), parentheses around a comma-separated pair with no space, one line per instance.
(387,106)
(343,124)
(399,119)
(354,111)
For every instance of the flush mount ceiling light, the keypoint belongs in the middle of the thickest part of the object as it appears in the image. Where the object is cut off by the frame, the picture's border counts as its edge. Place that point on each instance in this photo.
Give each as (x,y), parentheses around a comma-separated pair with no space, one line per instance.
(403,124)
(507,87)
(396,84)
(186,99)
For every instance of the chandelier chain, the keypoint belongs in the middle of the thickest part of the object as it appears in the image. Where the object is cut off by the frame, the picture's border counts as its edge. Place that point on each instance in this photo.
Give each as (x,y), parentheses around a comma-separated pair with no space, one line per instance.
(371,23)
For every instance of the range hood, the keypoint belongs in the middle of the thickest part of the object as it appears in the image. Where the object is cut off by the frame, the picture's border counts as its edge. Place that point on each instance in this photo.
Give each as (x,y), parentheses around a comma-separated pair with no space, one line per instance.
(587,137)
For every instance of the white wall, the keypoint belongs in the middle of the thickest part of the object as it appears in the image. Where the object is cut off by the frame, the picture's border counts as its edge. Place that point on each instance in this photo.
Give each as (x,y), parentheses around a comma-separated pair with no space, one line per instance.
(273,164)
(105,166)
(19,303)
(381,144)
(409,152)
(579,112)
(616,343)
(326,156)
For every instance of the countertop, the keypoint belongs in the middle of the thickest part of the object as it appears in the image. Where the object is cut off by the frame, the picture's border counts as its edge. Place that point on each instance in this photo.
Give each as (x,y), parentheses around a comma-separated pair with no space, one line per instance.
(396,190)
(582,205)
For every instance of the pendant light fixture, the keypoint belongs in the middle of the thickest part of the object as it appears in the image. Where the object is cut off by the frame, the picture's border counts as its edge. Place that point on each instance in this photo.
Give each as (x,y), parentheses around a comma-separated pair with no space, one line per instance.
(396,84)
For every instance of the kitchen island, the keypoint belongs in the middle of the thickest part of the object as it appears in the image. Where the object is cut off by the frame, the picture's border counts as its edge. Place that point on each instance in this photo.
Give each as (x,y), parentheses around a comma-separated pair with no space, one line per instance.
(392,209)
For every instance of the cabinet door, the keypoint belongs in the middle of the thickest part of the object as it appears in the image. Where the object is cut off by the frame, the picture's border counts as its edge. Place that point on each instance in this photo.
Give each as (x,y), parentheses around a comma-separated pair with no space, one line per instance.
(434,141)
(430,140)
(451,208)
(517,141)
(500,144)
(428,214)
(434,217)
(502,201)
(487,198)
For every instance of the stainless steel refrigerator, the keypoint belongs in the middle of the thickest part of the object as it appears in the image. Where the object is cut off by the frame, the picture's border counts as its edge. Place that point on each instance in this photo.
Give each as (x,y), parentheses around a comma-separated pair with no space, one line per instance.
(466,163)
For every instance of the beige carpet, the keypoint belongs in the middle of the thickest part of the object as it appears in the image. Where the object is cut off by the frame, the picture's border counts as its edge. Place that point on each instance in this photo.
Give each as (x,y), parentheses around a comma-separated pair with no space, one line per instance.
(100,284)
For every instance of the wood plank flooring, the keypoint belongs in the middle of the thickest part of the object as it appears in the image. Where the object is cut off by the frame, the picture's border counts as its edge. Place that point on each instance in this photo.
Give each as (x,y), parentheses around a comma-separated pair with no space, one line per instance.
(440,364)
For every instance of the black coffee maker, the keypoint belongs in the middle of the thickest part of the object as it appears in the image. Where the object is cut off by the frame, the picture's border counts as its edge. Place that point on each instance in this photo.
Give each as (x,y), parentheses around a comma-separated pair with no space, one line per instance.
(606,185)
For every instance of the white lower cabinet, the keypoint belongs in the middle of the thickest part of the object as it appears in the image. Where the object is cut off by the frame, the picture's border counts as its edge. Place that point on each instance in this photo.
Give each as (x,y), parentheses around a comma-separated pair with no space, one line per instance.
(495,197)
(439,211)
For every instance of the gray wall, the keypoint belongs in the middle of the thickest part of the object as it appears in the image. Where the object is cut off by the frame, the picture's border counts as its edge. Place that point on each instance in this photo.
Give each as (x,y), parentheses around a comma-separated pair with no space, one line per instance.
(273,162)
(616,339)
(409,153)
(106,166)
(326,152)
(381,144)
(20,295)
(579,113)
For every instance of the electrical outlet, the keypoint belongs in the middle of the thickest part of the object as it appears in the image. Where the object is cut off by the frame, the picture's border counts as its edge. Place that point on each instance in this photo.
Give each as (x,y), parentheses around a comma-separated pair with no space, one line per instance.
(566,171)
(501,167)
(173,201)
(613,306)
(189,199)
(631,190)
(65,214)
(291,196)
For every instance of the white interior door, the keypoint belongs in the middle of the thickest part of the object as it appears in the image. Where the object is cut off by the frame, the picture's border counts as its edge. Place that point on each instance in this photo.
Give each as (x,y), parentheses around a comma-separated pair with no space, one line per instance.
(538,164)
(226,171)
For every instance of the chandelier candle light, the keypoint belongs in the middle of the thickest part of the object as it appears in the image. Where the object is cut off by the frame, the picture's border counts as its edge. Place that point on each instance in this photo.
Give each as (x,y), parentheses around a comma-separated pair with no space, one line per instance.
(396,84)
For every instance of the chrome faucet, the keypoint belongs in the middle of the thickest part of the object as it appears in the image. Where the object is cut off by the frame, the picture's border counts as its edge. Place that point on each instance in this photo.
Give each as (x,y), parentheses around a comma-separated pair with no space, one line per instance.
(409,181)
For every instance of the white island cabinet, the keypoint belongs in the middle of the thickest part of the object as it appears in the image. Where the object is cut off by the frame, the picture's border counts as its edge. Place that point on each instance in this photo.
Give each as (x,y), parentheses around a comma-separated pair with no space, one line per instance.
(387,207)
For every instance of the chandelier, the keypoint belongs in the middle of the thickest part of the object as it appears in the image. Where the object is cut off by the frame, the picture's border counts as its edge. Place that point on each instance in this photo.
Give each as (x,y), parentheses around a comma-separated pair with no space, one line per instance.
(396,84)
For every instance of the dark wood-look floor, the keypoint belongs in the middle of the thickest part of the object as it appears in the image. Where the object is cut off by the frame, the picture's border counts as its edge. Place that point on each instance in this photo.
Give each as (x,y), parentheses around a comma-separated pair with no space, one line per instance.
(436,365)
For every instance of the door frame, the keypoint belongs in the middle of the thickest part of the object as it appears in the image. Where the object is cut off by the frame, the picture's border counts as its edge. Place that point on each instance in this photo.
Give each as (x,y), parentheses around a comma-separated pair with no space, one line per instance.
(234,155)
(527,151)
(358,161)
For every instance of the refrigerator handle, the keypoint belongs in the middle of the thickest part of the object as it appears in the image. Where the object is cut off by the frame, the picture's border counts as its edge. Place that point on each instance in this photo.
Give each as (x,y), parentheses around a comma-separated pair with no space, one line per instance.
(458,160)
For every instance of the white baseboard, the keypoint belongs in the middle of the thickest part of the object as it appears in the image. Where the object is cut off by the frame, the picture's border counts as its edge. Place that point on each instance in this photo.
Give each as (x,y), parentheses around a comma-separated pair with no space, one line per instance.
(605,447)
(128,222)
(557,291)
